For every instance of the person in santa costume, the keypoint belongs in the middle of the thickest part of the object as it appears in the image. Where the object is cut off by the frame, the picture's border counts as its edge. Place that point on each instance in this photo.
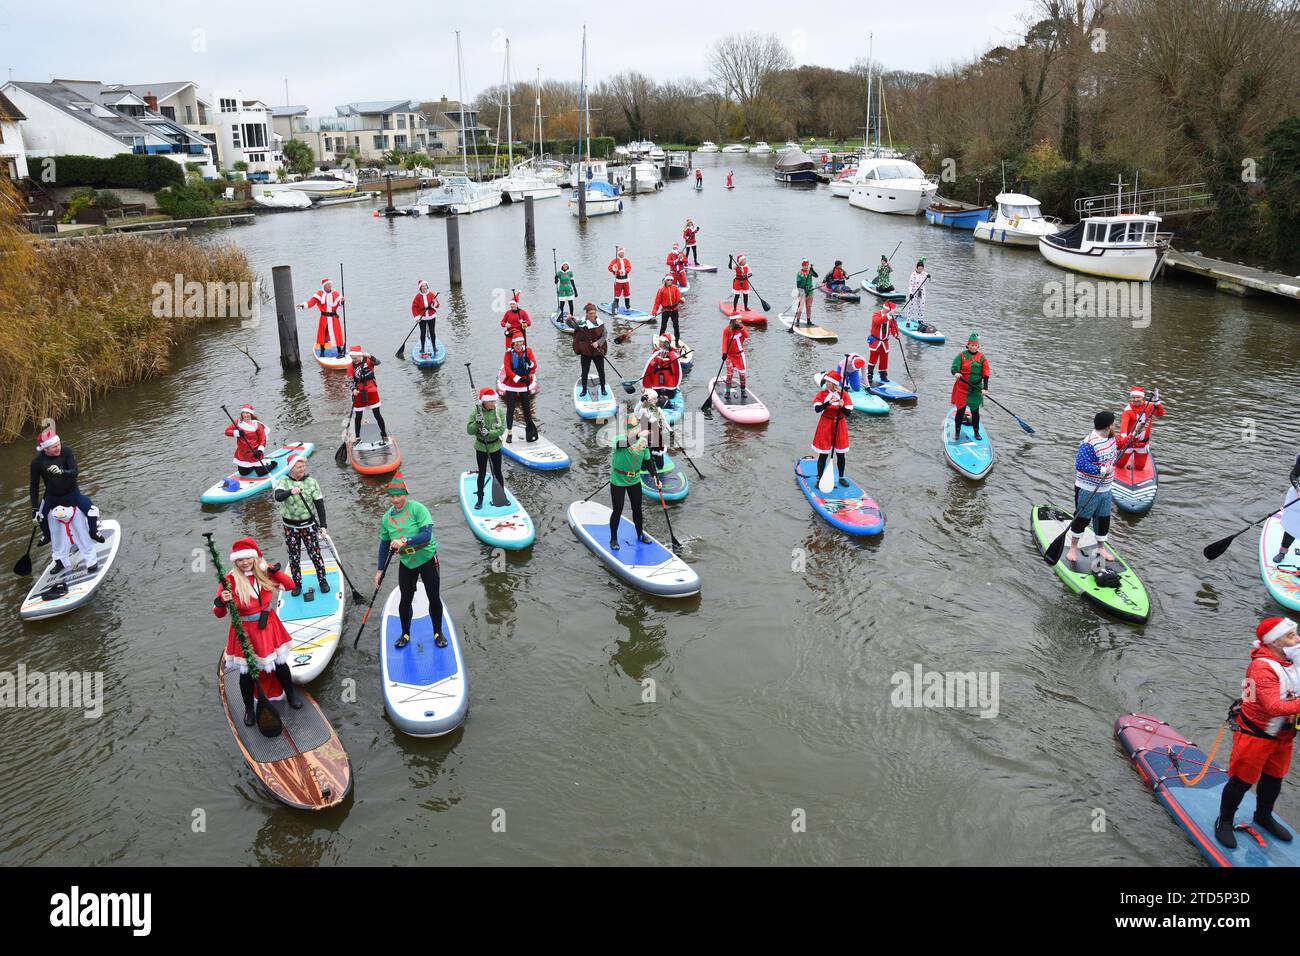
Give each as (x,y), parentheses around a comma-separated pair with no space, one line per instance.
(566,289)
(731,176)
(298,493)
(699,181)
(1290,516)
(424,308)
(1135,427)
(518,369)
(837,277)
(734,335)
(590,343)
(832,434)
(663,370)
(69,532)
(487,423)
(254,586)
(621,268)
(690,232)
(970,370)
(1263,722)
(56,467)
(676,263)
(328,302)
(850,369)
(406,532)
(883,327)
(916,291)
(250,437)
(515,320)
(740,283)
(365,390)
(668,298)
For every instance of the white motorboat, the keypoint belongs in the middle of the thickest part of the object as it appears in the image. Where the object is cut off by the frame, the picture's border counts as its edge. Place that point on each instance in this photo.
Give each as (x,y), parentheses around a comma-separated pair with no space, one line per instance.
(708,146)
(892,186)
(1124,246)
(281,198)
(648,178)
(655,153)
(602,199)
(1017,220)
(592,170)
(844,182)
(638,147)
(791,144)
(735,148)
(459,196)
(761,147)
(324,185)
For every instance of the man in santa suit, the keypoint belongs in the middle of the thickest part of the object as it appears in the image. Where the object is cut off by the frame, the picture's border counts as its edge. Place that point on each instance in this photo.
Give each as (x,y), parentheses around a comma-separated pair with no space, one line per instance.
(740,284)
(734,335)
(69,532)
(515,320)
(663,371)
(254,587)
(424,308)
(328,302)
(669,299)
(883,327)
(518,370)
(850,369)
(689,234)
(365,390)
(1263,723)
(677,264)
(620,268)
(832,434)
(1135,427)
(250,442)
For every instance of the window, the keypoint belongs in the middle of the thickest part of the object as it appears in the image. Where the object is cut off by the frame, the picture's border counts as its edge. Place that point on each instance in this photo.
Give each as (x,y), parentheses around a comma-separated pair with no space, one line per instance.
(1094,231)
(399,141)
(229,106)
(401,121)
(255,135)
(1117,230)
(379,142)
(189,115)
(234,137)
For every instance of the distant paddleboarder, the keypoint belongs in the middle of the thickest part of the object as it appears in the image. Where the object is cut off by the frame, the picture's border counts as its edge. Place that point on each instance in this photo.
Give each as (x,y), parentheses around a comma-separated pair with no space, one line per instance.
(328,302)
(740,283)
(406,533)
(1094,475)
(620,267)
(250,442)
(663,370)
(833,426)
(298,494)
(970,370)
(734,335)
(424,308)
(731,179)
(365,390)
(676,263)
(916,291)
(590,343)
(699,178)
(566,288)
(837,278)
(1135,427)
(487,423)
(804,283)
(515,320)
(884,272)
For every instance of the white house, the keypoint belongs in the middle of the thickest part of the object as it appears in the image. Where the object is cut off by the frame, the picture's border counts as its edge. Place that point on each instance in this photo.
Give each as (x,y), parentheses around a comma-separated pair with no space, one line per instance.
(244,133)
(13,157)
(180,101)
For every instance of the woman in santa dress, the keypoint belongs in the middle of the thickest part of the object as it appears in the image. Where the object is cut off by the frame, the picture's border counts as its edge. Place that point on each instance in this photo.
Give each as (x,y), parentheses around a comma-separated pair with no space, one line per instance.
(254,587)
(832,434)
(250,443)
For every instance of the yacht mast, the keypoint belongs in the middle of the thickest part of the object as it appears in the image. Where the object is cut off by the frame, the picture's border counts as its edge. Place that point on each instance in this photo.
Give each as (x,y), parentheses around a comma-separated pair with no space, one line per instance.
(460,96)
(510,122)
(866,143)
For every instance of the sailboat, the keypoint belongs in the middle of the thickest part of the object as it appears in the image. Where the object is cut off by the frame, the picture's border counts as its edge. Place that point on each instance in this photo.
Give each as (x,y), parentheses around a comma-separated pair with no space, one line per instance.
(601,198)
(521,182)
(459,195)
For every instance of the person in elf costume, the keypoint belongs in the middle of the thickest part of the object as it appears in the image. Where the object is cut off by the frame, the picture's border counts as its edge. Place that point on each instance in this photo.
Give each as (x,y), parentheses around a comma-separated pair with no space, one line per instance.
(254,586)
(884,276)
(883,327)
(328,302)
(1263,722)
(487,423)
(631,453)
(56,467)
(970,370)
(1135,428)
(365,390)
(734,335)
(406,533)
(804,283)
(833,406)
(298,493)
(515,320)
(566,288)
(424,309)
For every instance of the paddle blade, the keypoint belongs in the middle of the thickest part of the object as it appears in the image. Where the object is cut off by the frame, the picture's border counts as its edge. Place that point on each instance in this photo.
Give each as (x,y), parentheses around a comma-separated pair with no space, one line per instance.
(629,387)
(826,483)
(341,456)
(401,351)
(763,302)
(499,499)
(1053,552)
(268,720)
(24,565)
(1216,548)
(1024,425)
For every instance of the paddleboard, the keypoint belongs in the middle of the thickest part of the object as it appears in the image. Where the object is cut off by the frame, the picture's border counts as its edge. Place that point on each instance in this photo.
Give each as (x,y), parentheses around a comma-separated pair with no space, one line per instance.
(746,410)
(685,357)
(674,408)
(597,403)
(649,567)
(252,484)
(1134,489)
(896,296)
(542,454)
(1282,580)
(684,287)
(1129,601)
(430,358)
(814,332)
(54,594)
(676,482)
(367,454)
(632,315)
(1168,762)
(315,623)
(559,320)
(865,402)
(850,509)
(426,687)
(747,316)
(305,767)
(971,456)
(701,268)
(844,295)
(912,329)
(505,527)
(892,391)
(332,358)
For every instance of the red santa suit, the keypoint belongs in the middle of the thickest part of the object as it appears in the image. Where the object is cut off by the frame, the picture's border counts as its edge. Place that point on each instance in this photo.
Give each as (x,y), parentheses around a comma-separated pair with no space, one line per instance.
(663,371)
(621,267)
(883,326)
(1135,440)
(518,371)
(250,440)
(328,302)
(514,322)
(425,305)
(271,643)
(833,426)
(740,283)
(729,182)
(733,347)
(1263,740)
(690,232)
(677,265)
(365,390)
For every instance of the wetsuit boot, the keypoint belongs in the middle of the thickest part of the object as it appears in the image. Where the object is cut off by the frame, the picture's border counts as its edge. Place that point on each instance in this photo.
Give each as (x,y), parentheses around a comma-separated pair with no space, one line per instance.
(1265,796)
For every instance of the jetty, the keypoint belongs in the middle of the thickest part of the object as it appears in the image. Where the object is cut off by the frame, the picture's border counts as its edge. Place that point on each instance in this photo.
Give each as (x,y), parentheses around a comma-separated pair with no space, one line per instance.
(1233,277)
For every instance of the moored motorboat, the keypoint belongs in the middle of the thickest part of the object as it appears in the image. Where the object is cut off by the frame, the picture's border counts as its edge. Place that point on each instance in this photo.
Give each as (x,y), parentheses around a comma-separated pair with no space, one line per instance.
(1016,220)
(794,166)
(708,146)
(602,199)
(1126,246)
(892,186)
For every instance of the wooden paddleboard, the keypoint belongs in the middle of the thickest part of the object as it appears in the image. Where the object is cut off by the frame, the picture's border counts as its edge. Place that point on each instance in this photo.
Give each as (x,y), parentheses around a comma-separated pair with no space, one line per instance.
(813,332)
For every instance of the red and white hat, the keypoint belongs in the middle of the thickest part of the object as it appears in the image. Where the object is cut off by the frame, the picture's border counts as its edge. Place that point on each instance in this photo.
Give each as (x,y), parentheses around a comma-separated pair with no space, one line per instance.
(667,279)
(1271,628)
(48,437)
(889,305)
(518,340)
(857,362)
(244,548)
(421,284)
(487,395)
(325,280)
(828,378)
(356,351)
(293,459)
(741,258)
(1136,392)
(243,425)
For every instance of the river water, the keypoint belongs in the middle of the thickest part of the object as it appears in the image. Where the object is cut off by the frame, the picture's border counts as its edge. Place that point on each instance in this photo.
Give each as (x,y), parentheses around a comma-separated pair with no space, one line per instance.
(771,736)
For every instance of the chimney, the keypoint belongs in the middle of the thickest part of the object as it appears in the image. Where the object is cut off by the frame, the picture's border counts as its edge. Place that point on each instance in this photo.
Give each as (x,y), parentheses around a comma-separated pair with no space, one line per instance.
(151,101)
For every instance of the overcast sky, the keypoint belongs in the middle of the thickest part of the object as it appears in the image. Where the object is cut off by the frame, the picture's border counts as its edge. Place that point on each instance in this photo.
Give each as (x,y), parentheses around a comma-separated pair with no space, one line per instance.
(407,49)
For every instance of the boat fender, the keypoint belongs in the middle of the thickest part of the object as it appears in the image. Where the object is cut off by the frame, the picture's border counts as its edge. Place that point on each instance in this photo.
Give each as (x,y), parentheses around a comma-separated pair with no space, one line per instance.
(620,205)
(1015,223)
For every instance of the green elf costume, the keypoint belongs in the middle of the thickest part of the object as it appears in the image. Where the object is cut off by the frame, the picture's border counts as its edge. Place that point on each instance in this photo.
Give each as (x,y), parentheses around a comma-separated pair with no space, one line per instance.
(566,288)
(971,371)
(884,276)
(487,423)
(804,283)
(406,531)
(631,453)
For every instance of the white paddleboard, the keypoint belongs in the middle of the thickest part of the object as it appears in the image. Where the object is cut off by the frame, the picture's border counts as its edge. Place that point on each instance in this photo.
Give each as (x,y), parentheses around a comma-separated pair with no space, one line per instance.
(73,587)
(542,454)
(650,567)
(314,625)
(426,689)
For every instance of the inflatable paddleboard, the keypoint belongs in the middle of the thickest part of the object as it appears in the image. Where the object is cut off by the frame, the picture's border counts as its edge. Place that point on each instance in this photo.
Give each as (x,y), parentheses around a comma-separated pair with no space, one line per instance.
(971,456)
(507,526)
(430,358)
(814,332)
(744,410)
(332,358)
(1134,489)
(542,454)
(675,481)
(850,509)
(892,391)
(747,316)
(685,357)
(912,329)
(55,594)
(1168,762)
(247,486)
(1282,580)
(684,287)
(650,567)
(559,320)
(305,767)
(313,619)
(844,295)
(1127,601)
(632,315)
(701,268)
(895,296)
(426,688)
(865,402)
(674,408)
(368,455)
(597,403)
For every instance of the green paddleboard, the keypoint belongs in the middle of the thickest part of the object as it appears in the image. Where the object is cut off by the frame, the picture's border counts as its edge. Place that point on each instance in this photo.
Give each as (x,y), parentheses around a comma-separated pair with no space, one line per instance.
(1128,601)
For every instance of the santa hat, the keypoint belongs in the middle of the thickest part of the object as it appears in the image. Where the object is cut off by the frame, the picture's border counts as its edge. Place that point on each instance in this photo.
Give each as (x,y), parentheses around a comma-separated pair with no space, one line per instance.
(421,284)
(889,305)
(663,341)
(620,250)
(1136,392)
(325,280)
(804,263)
(293,460)
(487,395)
(48,437)
(676,245)
(857,362)
(828,378)
(518,340)
(515,297)
(667,279)
(740,258)
(397,484)
(1271,628)
(243,425)
(244,548)
(356,352)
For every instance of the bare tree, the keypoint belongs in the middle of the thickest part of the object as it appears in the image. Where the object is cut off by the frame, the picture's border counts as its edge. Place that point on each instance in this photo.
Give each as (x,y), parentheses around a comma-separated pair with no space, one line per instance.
(743,67)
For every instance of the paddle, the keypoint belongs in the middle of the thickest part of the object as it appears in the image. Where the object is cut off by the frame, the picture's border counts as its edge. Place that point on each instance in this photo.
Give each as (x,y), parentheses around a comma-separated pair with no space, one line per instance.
(370,607)
(357,596)
(631,331)
(268,718)
(664,504)
(341,454)
(1214,549)
(629,385)
(826,483)
(401,349)
(343,290)
(731,264)
(555,268)
(1020,421)
(672,436)
(24,565)
(499,499)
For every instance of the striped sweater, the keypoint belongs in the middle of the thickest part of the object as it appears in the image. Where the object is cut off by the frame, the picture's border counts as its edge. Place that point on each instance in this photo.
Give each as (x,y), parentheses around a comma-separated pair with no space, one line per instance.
(1095,452)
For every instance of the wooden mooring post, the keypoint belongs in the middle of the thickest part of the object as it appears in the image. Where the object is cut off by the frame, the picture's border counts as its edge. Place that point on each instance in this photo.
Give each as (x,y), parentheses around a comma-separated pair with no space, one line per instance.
(286,323)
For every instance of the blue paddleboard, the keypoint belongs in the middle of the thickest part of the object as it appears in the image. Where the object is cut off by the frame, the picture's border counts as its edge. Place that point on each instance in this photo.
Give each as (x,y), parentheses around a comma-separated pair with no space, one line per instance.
(430,358)
(968,455)
(850,509)
(426,690)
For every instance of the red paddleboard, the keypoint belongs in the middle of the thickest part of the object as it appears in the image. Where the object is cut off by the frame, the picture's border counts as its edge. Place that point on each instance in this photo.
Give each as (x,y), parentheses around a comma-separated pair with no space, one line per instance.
(1134,489)
(747,316)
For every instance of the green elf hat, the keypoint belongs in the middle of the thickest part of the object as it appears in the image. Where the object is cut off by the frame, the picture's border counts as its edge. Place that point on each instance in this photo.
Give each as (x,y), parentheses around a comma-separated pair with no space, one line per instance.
(973,337)
(921,261)
(397,484)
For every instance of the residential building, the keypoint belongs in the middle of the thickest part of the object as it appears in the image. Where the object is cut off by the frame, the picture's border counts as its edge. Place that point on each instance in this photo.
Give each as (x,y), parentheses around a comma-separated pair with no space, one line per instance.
(444,119)
(180,101)
(370,128)
(244,133)
(13,157)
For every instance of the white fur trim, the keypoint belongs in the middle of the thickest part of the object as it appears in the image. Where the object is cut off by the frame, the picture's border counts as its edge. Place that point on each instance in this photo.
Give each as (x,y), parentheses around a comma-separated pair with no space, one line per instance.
(1280,629)
(242,553)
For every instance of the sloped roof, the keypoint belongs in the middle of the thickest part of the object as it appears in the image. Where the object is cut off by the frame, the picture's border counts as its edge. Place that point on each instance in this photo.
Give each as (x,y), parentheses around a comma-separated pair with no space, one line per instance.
(378,106)
(288,111)
(83,101)
(8,112)
(163,91)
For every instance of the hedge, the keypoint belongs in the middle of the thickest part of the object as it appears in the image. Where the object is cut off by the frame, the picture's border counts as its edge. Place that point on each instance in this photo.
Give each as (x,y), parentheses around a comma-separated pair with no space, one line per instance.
(123,171)
(601,147)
